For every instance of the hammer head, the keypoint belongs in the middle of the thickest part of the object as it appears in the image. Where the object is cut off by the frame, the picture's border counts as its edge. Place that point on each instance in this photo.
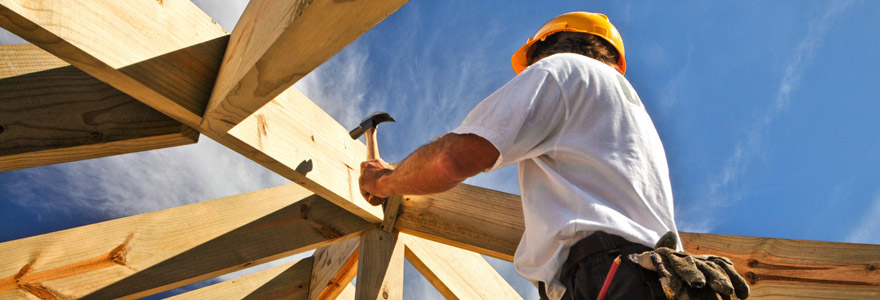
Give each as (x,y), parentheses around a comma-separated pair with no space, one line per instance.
(370,121)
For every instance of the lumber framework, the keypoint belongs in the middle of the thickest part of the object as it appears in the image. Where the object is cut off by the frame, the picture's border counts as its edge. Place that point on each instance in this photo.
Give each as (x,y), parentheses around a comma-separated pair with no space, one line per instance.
(247,105)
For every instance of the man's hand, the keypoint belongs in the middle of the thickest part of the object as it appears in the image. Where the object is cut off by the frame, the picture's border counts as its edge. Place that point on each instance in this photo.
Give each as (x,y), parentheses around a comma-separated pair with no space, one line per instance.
(371,172)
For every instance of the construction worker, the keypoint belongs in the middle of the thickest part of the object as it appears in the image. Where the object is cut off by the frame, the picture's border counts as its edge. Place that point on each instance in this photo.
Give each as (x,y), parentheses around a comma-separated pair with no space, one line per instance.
(593,173)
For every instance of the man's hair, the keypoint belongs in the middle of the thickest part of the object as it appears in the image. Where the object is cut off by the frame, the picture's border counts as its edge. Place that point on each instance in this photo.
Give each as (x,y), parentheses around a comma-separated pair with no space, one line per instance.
(576,42)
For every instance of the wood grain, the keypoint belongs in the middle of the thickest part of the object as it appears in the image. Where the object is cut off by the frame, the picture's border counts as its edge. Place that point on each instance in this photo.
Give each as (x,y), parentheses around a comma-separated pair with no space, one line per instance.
(312,149)
(105,38)
(51,112)
(289,281)
(455,272)
(333,270)
(302,34)
(796,269)
(141,255)
(24,59)
(380,266)
(469,217)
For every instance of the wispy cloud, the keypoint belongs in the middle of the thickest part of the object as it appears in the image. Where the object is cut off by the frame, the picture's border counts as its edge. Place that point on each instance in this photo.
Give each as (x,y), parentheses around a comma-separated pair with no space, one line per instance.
(724,190)
(868,229)
(136,183)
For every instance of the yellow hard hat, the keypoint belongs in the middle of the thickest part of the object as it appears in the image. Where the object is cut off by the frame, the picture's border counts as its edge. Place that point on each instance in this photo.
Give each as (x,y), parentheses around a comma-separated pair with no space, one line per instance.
(579,21)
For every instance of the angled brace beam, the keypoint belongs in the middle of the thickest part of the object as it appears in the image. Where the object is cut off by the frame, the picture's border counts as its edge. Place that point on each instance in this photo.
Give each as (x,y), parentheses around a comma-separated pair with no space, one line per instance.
(51,112)
(455,272)
(276,43)
(129,47)
(334,268)
(145,254)
(285,282)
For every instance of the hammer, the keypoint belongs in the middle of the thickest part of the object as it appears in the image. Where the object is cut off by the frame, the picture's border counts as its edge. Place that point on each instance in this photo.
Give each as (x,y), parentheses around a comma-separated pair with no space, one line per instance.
(368,127)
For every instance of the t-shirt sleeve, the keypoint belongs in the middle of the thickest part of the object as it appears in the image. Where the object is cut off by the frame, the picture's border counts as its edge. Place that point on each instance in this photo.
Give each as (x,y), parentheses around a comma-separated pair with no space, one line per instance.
(519,118)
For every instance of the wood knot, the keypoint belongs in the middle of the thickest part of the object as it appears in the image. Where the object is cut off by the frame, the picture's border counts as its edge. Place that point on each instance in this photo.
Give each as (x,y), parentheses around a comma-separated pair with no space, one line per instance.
(304,211)
(117,255)
(751,277)
(753,263)
(96,136)
(2,128)
(871,267)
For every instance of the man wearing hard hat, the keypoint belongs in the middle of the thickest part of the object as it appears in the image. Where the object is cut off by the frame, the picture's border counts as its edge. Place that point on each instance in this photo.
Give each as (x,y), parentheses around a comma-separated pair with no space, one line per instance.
(593,172)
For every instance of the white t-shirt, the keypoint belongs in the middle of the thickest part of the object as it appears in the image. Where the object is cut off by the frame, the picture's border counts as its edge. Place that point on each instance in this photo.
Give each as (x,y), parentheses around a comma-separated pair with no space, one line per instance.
(588,156)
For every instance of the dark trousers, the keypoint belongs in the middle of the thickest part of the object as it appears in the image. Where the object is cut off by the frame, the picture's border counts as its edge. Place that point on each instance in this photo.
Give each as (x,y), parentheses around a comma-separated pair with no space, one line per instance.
(589,261)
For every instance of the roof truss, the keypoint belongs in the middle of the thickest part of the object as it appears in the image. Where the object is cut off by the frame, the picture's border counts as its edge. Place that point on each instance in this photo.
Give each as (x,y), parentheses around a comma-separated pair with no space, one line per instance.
(226,87)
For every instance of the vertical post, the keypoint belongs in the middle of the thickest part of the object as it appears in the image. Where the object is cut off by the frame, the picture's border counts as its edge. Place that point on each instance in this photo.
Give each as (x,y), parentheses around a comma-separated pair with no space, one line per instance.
(380,266)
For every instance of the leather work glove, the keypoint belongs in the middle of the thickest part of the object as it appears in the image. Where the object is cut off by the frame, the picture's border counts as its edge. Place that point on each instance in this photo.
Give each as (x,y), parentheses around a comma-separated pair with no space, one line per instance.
(692,277)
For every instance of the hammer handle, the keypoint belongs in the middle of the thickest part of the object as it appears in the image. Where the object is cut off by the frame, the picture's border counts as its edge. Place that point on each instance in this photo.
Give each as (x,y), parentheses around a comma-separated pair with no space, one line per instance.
(373,153)
(372,144)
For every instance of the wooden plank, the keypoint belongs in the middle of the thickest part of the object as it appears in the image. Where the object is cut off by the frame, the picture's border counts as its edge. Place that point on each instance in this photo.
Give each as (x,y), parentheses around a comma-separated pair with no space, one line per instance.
(481,220)
(380,266)
(25,59)
(796,269)
(60,114)
(347,293)
(126,43)
(297,139)
(455,272)
(333,270)
(145,254)
(302,34)
(286,282)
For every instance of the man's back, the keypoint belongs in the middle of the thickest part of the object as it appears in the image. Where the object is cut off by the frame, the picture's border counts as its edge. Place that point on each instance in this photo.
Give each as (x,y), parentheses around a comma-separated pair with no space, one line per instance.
(588,154)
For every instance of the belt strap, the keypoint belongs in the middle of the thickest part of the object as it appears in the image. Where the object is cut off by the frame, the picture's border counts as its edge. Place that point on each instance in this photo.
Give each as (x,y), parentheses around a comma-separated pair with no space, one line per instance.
(597,242)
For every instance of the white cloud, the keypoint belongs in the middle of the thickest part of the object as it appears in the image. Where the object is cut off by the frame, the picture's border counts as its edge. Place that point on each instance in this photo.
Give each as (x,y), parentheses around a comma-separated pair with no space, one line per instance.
(724,190)
(868,229)
(136,183)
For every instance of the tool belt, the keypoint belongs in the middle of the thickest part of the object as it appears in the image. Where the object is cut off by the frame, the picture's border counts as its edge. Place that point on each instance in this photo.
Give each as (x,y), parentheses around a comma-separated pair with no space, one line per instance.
(596,243)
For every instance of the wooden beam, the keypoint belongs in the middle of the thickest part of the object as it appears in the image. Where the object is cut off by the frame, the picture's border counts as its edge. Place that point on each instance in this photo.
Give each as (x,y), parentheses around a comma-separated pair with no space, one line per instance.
(455,272)
(333,270)
(275,43)
(145,254)
(26,59)
(127,43)
(285,282)
(347,293)
(297,139)
(51,112)
(380,266)
(481,220)
(796,269)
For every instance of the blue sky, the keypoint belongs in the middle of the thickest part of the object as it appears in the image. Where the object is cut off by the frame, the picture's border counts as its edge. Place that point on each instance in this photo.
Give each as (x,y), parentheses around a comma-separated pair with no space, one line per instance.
(767,110)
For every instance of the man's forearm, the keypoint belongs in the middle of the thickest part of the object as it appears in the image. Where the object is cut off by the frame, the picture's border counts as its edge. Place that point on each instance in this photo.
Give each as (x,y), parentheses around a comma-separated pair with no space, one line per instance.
(440,165)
